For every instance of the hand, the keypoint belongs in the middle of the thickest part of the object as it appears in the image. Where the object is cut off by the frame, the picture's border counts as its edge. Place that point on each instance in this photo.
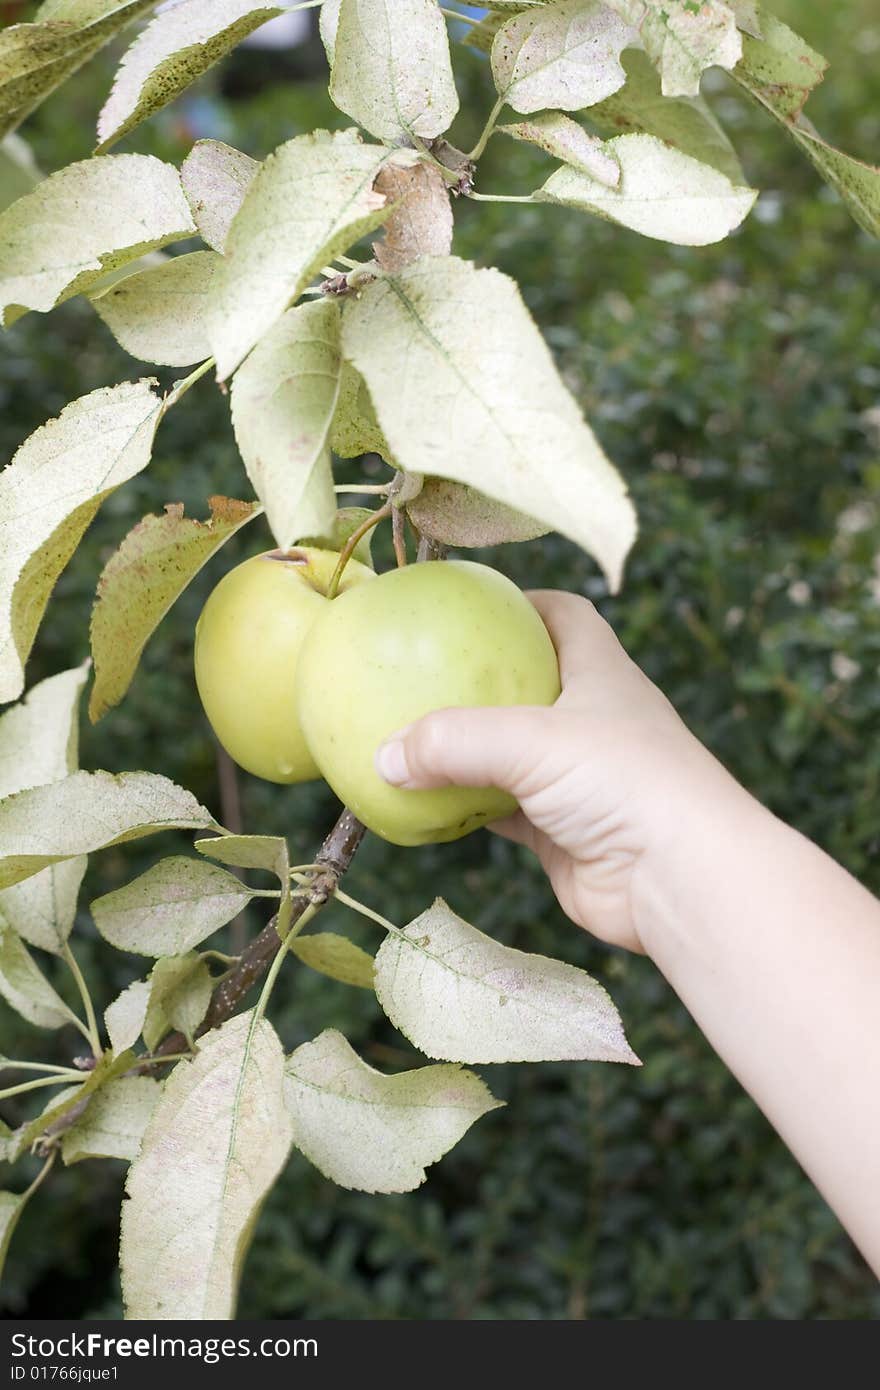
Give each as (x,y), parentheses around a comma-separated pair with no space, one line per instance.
(603,778)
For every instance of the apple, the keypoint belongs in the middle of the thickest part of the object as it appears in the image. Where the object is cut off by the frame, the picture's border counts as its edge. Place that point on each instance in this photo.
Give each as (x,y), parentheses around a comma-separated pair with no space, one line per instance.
(420,638)
(247,647)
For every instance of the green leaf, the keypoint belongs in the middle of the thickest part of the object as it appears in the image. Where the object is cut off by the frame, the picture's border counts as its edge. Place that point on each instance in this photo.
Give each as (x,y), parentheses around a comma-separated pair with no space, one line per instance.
(460,996)
(284,399)
(24,986)
(685,122)
(371,1132)
(564,139)
(309,201)
(142,579)
(182,1256)
(564,55)
(663,193)
(337,957)
(344,524)
(355,429)
(267,852)
(39,743)
(158,315)
(458,515)
(36,58)
(215,178)
(780,71)
(87,219)
(18,170)
(329,24)
(747,14)
(113,1123)
(106,1069)
(180,992)
(171,908)
(173,51)
(49,495)
(391,69)
(684,37)
(89,811)
(481,401)
(124,1018)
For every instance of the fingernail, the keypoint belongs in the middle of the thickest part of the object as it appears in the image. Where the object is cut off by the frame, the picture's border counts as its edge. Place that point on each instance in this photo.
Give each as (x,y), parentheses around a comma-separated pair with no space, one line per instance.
(391,762)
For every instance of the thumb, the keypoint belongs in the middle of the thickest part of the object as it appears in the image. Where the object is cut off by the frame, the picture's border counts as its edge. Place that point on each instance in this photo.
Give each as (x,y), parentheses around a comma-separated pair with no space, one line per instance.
(464,747)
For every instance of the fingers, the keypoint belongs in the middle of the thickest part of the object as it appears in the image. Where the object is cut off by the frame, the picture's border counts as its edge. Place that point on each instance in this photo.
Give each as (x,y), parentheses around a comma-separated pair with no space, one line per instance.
(516,828)
(583,640)
(464,748)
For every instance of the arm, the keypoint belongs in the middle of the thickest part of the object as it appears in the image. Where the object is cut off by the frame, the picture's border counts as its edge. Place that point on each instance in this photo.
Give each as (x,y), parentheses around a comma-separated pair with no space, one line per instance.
(650,844)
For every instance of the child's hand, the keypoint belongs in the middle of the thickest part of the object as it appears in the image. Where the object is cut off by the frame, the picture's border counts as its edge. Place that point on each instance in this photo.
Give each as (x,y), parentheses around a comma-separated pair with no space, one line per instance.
(603,778)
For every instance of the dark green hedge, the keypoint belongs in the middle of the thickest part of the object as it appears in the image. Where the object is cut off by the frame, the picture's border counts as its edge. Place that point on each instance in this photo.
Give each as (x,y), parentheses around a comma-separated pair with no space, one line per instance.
(734,386)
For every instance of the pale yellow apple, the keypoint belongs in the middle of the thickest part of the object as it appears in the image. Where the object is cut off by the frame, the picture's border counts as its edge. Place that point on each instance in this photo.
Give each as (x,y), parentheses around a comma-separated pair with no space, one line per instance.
(247,647)
(420,638)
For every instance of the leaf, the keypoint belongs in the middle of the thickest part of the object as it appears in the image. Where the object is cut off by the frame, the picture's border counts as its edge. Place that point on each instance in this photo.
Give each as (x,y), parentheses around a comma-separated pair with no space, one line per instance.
(562,55)
(173,51)
(142,579)
(345,522)
(87,219)
(283,401)
(458,515)
(334,955)
(371,1132)
(106,1069)
(89,811)
(391,69)
(171,908)
(36,58)
(268,852)
(39,743)
(663,194)
(49,494)
(215,178)
(355,429)
(747,16)
(18,170)
(180,992)
(421,222)
(113,1123)
(308,202)
(24,986)
(158,315)
(124,1018)
(481,401)
(462,997)
(564,139)
(780,71)
(329,24)
(685,122)
(182,1257)
(684,37)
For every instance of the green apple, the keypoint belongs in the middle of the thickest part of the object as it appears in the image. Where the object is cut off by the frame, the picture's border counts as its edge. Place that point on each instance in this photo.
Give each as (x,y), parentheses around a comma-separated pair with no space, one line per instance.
(420,638)
(247,647)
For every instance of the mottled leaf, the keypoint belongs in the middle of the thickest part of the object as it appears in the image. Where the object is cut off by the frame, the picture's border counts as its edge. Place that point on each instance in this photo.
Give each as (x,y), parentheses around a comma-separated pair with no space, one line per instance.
(181,1258)
(24,986)
(355,428)
(371,1132)
(267,852)
(481,401)
(461,997)
(141,581)
(180,992)
(564,139)
(89,811)
(421,222)
(158,315)
(684,37)
(180,44)
(215,178)
(86,219)
(458,515)
(391,70)
(49,494)
(564,55)
(171,908)
(284,399)
(334,955)
(308,202)
(124,1018)
(663,193)
(114,1121)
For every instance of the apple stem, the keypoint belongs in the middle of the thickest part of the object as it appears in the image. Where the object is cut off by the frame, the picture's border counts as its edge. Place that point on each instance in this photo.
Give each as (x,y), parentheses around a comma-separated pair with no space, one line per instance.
(398,531)
(351,545)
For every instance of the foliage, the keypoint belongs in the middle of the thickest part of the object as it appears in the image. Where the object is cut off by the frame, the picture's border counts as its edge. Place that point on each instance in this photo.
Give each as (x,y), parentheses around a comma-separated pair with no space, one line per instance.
(721,572)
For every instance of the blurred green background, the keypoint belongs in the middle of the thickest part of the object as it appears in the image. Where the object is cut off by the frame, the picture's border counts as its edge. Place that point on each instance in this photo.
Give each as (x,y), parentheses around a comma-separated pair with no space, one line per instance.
(738,389)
